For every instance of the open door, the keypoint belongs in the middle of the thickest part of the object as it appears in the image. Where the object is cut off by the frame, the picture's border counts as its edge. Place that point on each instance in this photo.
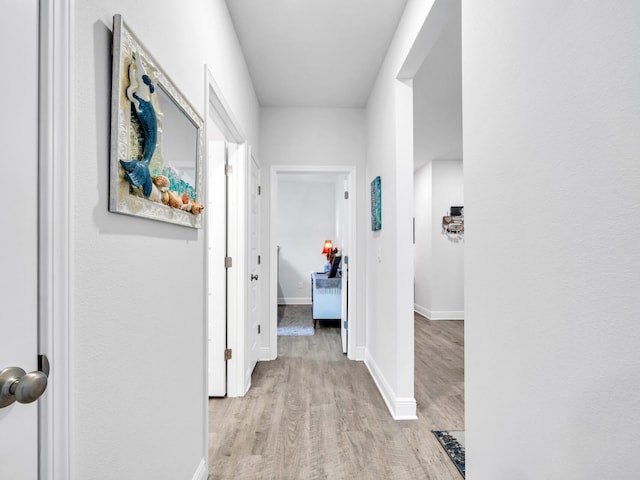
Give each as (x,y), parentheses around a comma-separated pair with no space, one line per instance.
(344,319)
(217,278)
(254,329)
(344,220)
(229,287)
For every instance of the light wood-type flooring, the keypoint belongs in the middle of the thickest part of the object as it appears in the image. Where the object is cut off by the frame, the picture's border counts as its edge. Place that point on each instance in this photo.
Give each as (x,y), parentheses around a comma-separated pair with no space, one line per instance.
(313,414)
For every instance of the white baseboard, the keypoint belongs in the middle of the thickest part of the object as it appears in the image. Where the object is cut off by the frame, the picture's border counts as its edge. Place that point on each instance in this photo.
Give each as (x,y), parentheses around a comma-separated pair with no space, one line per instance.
(406,409)
(247,381)
(265,354)
(201,471)
(358,354)
(401,408)
(439,314)
(294,300)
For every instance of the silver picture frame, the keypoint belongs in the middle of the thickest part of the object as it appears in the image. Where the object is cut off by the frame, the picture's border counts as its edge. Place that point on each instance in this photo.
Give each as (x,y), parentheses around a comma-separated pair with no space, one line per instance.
(157,139)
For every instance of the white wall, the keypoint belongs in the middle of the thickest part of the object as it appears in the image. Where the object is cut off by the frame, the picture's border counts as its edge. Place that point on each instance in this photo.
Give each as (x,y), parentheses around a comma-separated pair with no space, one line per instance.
(342,221)
(306,218)
(137,304)
(439,276)
(389,259)
(423,250)
(316,136)
(551,121)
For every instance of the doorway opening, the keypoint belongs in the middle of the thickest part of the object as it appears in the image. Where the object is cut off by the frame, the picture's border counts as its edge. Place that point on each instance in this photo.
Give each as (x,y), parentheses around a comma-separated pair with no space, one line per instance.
(324,210)
(227,230)
(433,70)
(438,176)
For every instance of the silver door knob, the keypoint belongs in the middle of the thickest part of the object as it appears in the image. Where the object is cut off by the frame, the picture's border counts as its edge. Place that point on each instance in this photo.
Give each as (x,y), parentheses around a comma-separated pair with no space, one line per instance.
(254,276)
(18,385)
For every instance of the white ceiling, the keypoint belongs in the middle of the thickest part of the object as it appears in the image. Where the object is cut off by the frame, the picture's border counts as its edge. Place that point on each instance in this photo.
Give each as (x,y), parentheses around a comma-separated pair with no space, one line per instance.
(314,53)
(437,97)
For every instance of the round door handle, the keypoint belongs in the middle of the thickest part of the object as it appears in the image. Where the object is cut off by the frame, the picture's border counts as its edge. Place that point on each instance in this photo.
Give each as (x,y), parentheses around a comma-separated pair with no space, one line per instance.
(30,387)
(254,276)
(18,385)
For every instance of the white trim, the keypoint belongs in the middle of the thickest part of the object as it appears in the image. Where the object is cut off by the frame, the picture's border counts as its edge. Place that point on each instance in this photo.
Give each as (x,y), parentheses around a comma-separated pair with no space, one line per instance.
(225,120)
(294,300)
(265,354)
(359,353)
(401,408)
(352,250)
(201,471)
(439,314)
(55,240)
(247,380)
(405,409)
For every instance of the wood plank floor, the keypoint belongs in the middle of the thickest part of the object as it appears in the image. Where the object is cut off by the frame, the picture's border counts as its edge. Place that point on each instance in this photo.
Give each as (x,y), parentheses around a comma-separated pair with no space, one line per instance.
(313,414)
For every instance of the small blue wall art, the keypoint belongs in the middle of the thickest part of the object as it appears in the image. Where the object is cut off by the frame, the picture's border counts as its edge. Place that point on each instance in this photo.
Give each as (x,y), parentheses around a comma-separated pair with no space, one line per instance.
(376,205)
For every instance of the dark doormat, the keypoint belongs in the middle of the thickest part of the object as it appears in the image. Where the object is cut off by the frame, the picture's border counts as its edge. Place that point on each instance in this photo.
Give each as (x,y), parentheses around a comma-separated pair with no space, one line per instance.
(453,443)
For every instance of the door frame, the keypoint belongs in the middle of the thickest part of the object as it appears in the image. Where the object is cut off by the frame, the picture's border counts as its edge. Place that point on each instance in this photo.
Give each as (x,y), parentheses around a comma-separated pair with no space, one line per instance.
(218,110)
(54,223)
(350,173)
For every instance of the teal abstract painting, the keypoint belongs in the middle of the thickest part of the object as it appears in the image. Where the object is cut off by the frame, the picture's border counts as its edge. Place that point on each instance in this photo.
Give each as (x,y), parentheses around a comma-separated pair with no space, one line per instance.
(376,205)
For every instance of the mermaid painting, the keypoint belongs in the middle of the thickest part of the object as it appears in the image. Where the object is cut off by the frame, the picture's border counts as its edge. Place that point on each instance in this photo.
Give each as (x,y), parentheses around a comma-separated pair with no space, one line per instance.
(157,188)
(156,162)
(139,93)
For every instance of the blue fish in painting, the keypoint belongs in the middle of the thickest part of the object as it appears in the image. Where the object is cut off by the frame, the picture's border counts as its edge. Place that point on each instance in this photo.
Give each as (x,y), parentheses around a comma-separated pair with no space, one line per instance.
(139,93)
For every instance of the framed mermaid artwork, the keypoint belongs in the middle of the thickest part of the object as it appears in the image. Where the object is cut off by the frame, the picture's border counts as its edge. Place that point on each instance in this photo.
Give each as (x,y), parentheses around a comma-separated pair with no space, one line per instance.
(157,139)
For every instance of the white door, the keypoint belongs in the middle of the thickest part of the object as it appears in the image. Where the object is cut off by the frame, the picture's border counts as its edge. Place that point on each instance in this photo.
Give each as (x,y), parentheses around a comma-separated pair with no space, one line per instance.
(253,310)
(217,275)
(19,220)
(344,319)
(344,228)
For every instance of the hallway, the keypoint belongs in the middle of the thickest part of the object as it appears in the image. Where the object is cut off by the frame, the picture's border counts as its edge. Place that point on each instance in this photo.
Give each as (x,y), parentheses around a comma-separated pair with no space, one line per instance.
(314,414)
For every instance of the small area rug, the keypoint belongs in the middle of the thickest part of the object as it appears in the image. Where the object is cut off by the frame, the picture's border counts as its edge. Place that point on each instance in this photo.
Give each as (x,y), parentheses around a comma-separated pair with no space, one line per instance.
(293,331)
(295,321)
(453,443)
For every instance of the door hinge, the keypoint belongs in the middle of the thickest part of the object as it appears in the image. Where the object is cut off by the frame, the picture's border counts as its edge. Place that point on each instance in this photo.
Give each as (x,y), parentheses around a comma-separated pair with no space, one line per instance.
(258,259)
(228,354)
(346,195)
(259,190)
(258,329)
(228,169)
(228,262)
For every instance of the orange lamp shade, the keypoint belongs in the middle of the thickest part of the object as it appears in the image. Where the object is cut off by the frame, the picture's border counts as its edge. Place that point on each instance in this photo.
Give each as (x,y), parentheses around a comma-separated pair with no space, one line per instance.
(328,246)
